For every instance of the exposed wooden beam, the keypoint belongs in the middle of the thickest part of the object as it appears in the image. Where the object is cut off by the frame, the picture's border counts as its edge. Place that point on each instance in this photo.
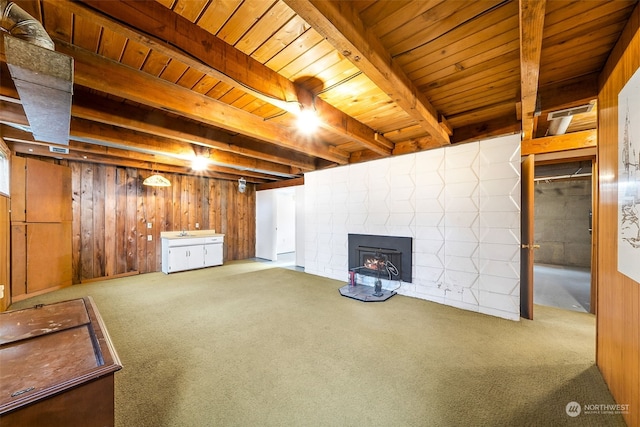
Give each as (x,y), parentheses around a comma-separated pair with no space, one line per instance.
(341,25)
(569,141)
(531,14)
(281,184)
(112,136)
(111,77)
(106,111)
(488,129)
(22,142)
(12,113)
(108,135)
(225,62)
(569,93)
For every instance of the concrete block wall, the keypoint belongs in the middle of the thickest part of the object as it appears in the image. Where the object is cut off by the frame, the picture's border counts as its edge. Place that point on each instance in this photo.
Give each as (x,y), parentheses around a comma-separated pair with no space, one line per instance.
(461,205)
(562,222)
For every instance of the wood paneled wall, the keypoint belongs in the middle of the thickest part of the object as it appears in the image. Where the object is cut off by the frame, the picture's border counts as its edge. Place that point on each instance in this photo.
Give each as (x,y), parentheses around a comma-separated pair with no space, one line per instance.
(111,210)
(618,311)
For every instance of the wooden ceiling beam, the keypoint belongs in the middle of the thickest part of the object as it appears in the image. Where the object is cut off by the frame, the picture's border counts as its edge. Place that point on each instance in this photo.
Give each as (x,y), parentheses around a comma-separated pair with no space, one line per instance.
(226,63)
(531,15)
(569,93)
(105,75)
(125,139)
(23,142)
(565,142)
(488,129)
(341,25)
(103,134)
(153,122)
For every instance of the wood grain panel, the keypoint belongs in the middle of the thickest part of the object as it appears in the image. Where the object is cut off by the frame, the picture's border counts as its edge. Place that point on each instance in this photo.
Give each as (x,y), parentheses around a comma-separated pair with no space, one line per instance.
(4,252)
(111,210)
(48,256)
(18,189)
(618,320)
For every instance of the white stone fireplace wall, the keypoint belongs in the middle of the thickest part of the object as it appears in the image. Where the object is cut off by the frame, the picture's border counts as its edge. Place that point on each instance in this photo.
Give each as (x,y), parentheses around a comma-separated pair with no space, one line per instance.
(461,205)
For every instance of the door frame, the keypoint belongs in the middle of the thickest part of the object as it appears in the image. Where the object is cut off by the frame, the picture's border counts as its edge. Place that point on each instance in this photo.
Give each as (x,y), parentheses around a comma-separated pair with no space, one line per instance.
(584,154)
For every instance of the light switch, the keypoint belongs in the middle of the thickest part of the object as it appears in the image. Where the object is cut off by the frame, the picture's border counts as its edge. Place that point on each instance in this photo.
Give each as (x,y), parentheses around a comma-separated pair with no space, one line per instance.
(149,225)
(149,237)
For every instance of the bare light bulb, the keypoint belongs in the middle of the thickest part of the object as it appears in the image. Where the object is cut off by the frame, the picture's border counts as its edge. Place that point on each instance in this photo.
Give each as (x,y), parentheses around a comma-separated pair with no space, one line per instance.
(199,163)
(308,121)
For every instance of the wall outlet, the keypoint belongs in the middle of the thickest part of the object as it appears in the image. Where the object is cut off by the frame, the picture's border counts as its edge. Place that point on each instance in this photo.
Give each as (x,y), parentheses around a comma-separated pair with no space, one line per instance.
(149,225)
(197,225)
(1,291)
(149,237)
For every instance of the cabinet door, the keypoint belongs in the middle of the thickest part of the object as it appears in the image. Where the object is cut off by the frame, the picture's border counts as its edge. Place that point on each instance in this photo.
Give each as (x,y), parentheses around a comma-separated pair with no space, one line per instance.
(178,258)
(185,257)
(48,256)
(213,254)
(48,192)
(196,256)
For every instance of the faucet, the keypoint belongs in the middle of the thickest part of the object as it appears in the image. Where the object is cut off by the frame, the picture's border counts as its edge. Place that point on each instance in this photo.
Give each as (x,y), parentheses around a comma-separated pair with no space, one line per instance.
(182,233)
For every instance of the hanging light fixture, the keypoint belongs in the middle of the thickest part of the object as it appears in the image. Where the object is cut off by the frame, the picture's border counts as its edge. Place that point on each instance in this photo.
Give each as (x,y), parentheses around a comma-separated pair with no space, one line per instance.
(156,180)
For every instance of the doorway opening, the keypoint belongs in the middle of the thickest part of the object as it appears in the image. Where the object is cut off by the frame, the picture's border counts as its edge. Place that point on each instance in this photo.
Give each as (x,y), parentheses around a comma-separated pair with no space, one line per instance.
(280,227)
(563,195)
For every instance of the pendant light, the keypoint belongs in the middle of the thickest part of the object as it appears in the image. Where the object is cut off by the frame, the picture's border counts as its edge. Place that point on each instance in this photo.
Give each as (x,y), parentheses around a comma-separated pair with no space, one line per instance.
(156,180)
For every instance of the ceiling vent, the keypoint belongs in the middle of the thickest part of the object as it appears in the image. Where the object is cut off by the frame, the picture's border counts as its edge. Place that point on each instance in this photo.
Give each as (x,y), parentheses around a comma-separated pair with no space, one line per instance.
(570,112)
(559,120)
(58,150)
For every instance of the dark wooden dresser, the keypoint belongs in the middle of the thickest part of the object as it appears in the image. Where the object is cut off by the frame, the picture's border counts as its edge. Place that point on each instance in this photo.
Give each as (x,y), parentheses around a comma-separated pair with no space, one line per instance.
(57,366)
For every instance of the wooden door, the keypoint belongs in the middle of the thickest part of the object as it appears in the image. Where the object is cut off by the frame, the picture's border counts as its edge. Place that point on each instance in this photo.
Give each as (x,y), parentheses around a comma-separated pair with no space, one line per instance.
(526,239)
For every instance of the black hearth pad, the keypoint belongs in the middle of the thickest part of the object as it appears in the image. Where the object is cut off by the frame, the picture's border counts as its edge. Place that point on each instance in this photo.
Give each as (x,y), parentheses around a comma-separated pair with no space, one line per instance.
(365,293)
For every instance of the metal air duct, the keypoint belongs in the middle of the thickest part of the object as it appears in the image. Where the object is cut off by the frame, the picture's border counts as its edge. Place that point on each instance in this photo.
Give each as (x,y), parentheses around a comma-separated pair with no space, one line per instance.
(42,76)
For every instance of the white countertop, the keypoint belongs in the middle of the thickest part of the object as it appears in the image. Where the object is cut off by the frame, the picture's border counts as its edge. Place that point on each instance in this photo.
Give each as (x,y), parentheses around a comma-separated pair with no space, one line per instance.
(189,234)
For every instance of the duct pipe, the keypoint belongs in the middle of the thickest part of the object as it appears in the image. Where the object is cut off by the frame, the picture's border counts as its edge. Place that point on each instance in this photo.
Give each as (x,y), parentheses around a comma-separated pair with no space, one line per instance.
(18,23)
(42,76)
(559,126)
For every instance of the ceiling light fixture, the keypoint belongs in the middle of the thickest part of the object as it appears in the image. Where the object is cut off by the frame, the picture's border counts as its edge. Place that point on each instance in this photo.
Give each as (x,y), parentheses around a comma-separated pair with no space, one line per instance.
(308,120)
(242,185)
(199,163)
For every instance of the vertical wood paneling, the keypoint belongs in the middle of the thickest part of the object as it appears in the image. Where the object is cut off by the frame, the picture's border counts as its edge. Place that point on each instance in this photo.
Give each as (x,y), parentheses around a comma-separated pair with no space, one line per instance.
(618,319)
(76,209)
(131,224)
(86,221)
(121,214)
(111,209)
(99,180)
(110,222)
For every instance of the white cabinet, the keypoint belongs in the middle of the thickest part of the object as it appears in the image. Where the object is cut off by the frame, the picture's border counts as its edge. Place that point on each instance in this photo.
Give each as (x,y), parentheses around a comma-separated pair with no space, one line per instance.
(187,253)
(185,258)
(213,251)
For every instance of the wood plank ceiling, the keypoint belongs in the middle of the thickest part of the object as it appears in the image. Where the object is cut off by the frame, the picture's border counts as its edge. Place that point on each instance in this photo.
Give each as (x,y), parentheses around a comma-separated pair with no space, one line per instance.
(159,82)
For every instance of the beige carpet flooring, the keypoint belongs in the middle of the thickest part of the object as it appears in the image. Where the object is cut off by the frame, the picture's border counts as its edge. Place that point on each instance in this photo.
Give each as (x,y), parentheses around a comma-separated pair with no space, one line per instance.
(246,344)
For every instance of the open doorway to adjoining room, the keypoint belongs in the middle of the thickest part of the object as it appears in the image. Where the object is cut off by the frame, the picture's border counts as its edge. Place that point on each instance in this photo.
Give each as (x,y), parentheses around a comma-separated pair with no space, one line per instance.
(563,231)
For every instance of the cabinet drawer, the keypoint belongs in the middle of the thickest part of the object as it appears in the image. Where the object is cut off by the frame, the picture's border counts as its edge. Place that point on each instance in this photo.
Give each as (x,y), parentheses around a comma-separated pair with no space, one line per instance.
(216,239)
